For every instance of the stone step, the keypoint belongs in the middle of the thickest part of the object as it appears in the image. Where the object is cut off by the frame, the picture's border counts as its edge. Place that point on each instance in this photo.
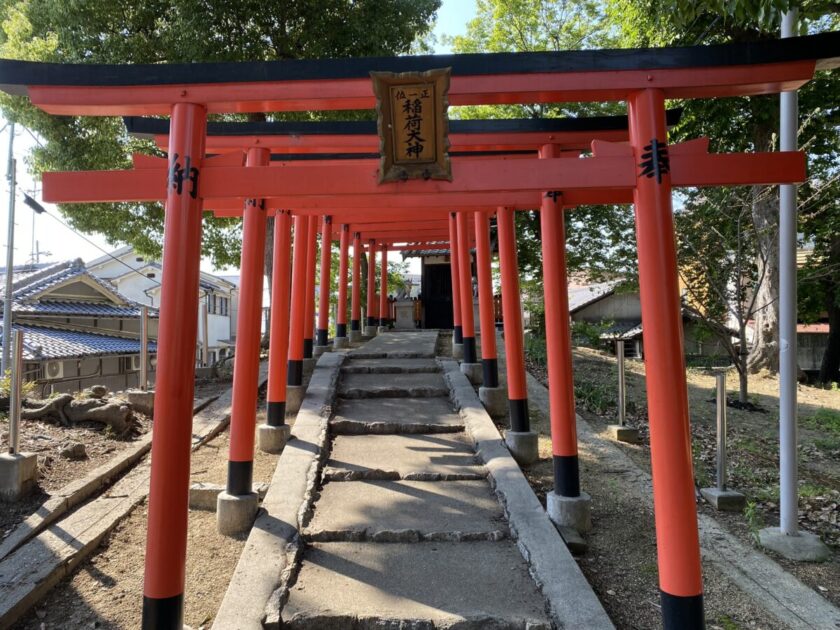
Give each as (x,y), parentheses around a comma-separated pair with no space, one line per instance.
(387,365)
(406,344)
(395,415)
(371,586)
(406,511)
(442,457)
(421,385)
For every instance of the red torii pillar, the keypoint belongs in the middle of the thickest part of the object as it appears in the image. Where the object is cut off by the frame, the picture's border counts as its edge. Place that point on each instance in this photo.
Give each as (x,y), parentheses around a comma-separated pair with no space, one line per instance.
(566,505)
(309,322)
(356,301)
(457,330)
(520,439)
(490,393)
(678,547)
(469,365)
(340,340)
(322,333)
(297,317)
(370,328)
(166,536)
(383,290)
(237,506)
(274,434)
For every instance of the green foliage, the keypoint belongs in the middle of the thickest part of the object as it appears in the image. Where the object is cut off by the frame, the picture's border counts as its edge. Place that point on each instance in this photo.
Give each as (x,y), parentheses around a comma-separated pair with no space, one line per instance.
(600,241)
(595,396)
(27,388)
(171,31)
(589,334)
(535,349)
(754,521)
(825,420)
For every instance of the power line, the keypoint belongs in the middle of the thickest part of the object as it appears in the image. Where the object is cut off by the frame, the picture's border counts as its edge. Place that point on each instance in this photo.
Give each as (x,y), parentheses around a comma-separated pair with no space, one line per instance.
(82,236)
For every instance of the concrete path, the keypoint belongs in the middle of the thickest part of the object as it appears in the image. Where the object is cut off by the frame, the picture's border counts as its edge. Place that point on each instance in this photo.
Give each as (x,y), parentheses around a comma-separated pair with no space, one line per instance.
(406,531)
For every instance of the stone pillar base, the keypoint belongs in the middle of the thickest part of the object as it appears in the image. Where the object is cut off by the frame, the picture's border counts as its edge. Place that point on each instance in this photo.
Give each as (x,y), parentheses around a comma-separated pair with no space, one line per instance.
(574,512)
(294,398)
(18,474)
(370,331)
(623,433)
(317,351)
(341,342)
(457,351)
(804,547)
(309,365)
(236,513)
(474,372)
(724,500)
(523,445)
(355,336)
(273,439)
(495,400)
(381,329)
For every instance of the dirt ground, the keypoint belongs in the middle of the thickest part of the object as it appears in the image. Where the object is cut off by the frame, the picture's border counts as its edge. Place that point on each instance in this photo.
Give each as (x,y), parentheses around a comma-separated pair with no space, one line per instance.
(621,562)
(106,591)
(46,440)
(54,471)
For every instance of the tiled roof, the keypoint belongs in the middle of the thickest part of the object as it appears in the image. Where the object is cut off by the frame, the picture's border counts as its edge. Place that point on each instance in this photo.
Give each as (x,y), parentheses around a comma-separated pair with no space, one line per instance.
(29,284)
(580,296)
(81,309)
(41,343)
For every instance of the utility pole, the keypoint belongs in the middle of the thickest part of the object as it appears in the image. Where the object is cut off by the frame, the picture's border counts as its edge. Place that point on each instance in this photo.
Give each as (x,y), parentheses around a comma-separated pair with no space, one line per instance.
(787,539)
(10,255)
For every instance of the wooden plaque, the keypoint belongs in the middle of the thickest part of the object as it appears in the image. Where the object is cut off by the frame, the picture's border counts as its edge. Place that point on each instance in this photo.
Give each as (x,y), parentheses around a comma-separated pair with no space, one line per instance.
(413,126)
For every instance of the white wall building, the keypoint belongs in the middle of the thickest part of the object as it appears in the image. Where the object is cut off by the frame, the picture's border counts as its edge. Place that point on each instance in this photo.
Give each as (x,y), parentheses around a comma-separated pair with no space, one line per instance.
(138,278)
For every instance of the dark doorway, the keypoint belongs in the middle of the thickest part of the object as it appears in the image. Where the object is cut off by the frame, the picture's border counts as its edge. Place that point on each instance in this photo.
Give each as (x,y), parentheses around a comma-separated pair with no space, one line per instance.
(436,287)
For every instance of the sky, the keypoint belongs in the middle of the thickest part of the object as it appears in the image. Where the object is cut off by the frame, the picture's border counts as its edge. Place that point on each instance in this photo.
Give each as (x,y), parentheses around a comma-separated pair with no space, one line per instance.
(62,243)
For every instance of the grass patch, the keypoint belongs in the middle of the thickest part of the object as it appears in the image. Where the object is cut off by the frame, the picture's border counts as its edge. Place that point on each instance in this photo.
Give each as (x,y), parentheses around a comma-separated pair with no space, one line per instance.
(826,420)
(810,490)
(595,397)
(727,623)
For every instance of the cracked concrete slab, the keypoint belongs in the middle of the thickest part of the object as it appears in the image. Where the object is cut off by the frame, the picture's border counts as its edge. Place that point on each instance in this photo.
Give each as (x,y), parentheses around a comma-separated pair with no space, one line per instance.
(367,586)
(409,344)
(390,366)
(395,415)
(407,511)
(424,457)
(421,385)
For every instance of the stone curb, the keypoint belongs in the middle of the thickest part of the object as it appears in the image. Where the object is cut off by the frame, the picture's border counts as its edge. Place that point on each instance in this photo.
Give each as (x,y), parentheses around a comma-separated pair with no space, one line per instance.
(571,602)
(78,491)
(259,585)
(764,581)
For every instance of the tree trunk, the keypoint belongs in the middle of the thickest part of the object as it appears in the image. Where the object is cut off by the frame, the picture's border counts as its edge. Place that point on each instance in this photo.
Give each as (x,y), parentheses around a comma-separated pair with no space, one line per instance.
(765,213)
(830,365)
(743,372)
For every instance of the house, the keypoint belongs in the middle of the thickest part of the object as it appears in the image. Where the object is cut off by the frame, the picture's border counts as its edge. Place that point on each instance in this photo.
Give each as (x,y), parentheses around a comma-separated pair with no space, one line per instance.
(78,330)
(138,278)
(618,315)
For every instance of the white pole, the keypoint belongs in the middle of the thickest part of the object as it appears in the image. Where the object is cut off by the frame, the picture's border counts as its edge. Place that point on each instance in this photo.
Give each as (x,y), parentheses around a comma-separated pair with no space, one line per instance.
(788,478)
(622,386)
(720,378)
(15,395)
(144,348)
(10,256)
(205,336)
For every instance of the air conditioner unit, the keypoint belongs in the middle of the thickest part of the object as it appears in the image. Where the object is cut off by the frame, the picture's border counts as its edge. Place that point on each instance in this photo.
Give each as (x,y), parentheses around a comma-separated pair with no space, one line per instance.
(136,362)
(54,370)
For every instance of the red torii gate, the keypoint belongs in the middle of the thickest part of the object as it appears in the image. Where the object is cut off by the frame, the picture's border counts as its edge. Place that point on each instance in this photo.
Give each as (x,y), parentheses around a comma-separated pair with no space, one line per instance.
(643,78)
